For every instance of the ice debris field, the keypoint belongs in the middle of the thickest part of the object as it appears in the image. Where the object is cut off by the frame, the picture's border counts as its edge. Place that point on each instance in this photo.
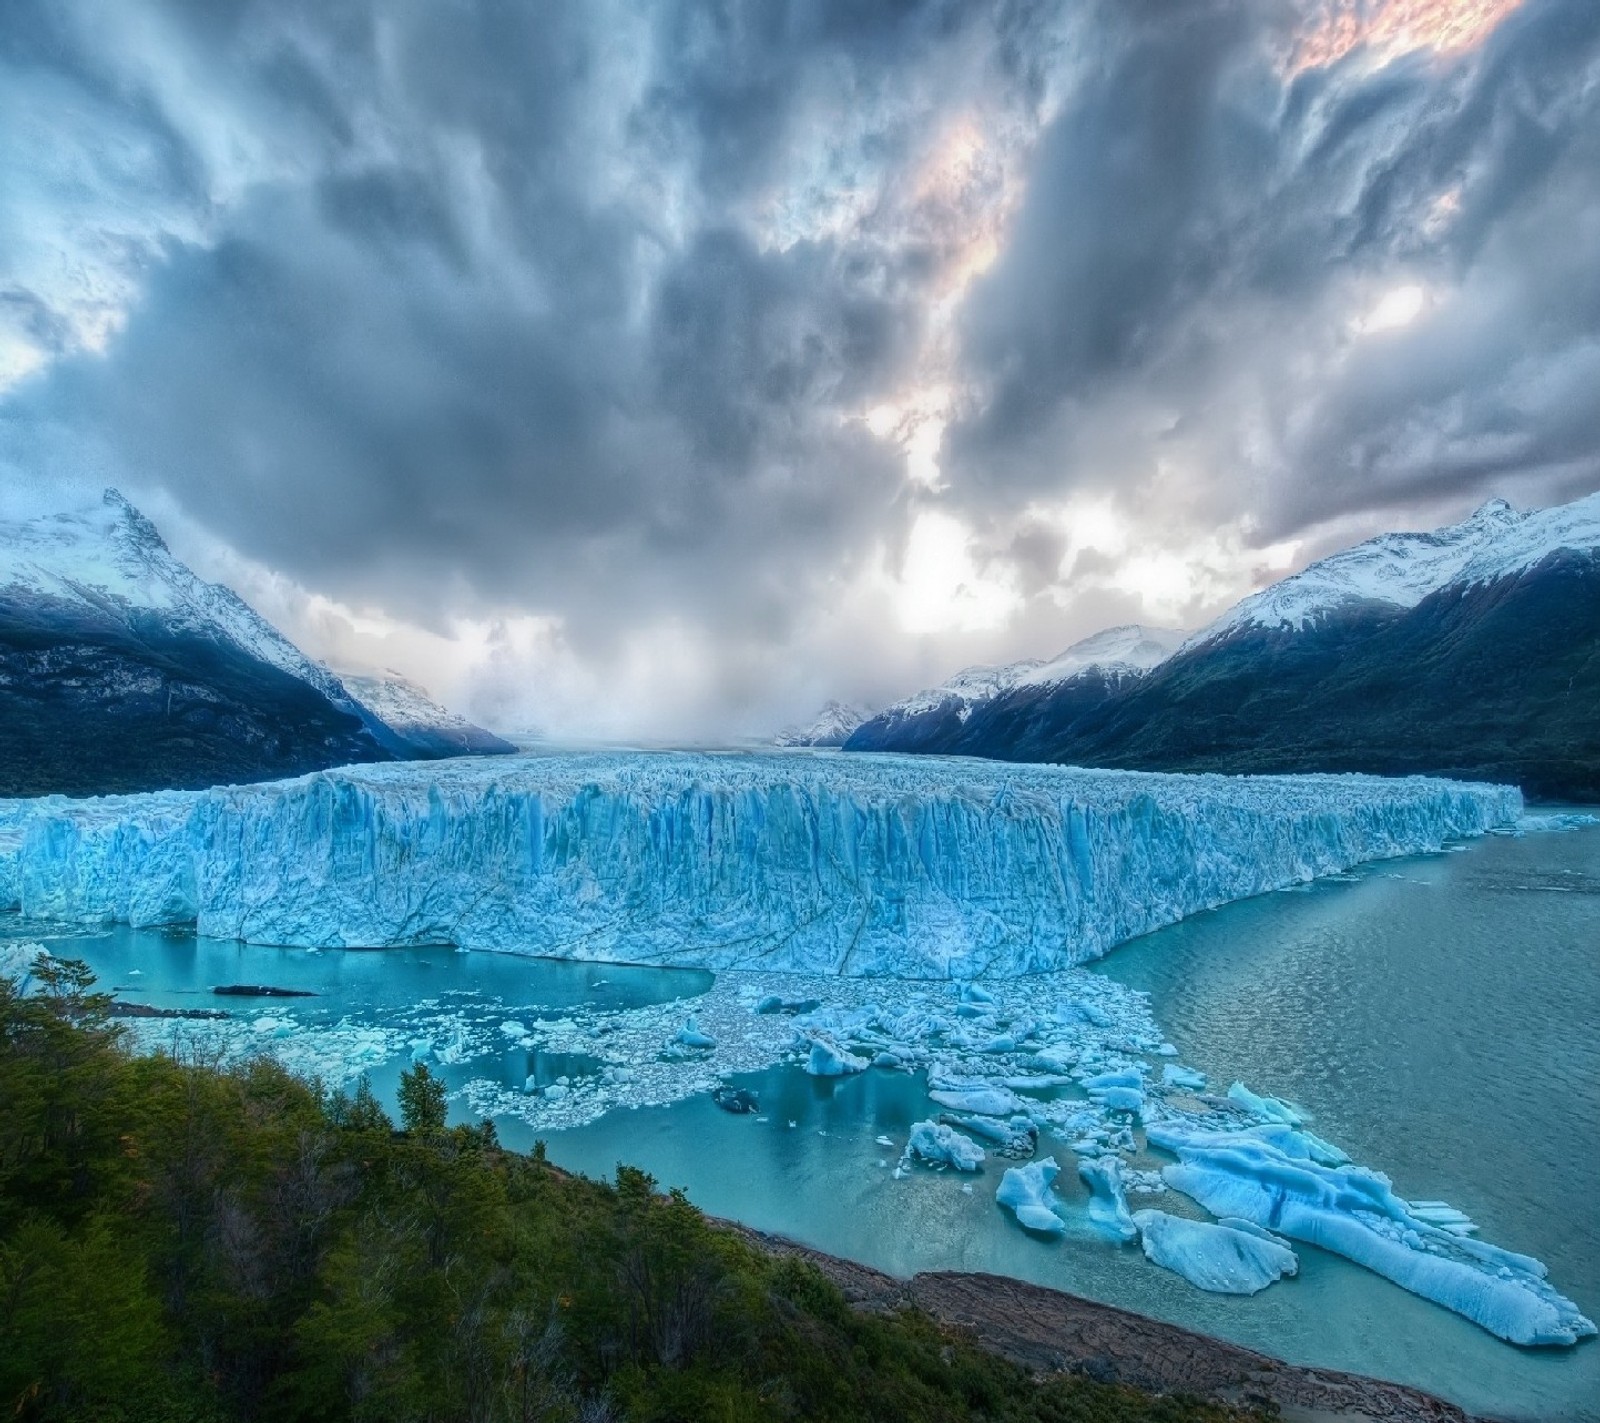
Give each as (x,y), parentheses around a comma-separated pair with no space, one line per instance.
(883,866)
(928,914)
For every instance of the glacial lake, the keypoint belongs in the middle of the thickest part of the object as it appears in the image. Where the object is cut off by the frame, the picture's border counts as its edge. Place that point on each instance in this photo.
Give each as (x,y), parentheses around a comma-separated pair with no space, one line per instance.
(1438,1016)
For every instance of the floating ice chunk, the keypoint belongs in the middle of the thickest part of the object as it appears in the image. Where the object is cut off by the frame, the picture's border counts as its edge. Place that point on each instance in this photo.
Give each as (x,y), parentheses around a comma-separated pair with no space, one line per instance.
(1018,1137)
(1122,1077)
(1026,1191)
(513,1029)
(273,1027)
(1269,1175)
(772,1003)
(21,960)
(828,1059)
(972,993)
(1265,1109)
(889,1060)
(1220,1258)
(1444,1215)
(884,1140)
(1119,1091)
(1108,1207)
(690,1036)
(556,1091)
(982,1101)
(939,1145)
(1183,1077)
(1560,821)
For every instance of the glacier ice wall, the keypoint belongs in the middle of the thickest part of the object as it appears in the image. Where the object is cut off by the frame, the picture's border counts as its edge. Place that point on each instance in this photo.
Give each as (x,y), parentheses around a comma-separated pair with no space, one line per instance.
(866,866)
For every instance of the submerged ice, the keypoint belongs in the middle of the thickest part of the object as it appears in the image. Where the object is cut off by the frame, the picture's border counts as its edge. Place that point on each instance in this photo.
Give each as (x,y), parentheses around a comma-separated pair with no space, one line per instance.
(871,866)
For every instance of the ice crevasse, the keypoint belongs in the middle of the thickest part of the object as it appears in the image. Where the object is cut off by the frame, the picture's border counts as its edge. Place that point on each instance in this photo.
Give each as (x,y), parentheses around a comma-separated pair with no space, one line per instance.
(856,865)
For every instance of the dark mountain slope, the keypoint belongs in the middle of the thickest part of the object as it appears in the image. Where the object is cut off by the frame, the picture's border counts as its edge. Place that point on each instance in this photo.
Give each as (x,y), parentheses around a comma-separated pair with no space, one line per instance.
(91,709)
(1496,680)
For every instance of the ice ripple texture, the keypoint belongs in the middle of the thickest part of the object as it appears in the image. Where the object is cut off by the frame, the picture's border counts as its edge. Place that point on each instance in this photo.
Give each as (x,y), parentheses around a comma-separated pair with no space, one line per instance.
(872,866)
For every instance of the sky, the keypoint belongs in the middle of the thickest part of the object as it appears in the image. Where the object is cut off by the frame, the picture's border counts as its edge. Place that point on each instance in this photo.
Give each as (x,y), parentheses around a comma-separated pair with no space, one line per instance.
(660,370)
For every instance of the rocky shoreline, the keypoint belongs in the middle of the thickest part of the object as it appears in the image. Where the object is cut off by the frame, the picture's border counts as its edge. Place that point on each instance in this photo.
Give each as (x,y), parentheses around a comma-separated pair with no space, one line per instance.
(1049,1332)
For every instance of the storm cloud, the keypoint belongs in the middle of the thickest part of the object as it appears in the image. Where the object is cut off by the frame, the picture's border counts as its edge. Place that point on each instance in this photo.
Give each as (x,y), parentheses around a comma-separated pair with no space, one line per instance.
(711,359)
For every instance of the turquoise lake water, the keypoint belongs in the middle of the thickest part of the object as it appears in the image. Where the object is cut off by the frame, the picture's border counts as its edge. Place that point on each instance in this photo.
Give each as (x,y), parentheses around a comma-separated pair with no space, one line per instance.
(1439,1017)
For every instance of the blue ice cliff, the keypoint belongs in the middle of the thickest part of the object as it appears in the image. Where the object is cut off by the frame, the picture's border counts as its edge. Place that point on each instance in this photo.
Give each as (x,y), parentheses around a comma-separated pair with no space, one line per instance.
(907,867)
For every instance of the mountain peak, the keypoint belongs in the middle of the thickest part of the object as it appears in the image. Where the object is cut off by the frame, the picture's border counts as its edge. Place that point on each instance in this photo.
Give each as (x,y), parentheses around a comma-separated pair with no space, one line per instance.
(830,727)
(135,528)
(1492,513)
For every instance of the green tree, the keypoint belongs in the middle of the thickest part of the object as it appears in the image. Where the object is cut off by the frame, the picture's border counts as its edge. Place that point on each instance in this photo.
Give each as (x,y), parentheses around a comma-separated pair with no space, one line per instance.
(422,1102)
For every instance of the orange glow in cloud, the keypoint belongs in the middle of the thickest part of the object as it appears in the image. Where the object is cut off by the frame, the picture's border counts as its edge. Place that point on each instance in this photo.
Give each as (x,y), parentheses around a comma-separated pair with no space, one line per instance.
(1391,27)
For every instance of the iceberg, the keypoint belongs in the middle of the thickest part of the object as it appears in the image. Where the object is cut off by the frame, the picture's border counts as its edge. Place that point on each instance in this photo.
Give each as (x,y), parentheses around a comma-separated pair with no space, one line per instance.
(939,1145)
(1025,1190)
(1108,1206)
(863,866)
(1184,1078)
(1271,1176)
(828,1059)
(690,1036)
(1230,1258)
(1265,1109)
(980,1101)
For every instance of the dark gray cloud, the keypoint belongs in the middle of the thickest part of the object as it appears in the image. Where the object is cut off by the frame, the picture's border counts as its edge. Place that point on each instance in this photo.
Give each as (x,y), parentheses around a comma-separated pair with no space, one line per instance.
(1199,234)
(480,307)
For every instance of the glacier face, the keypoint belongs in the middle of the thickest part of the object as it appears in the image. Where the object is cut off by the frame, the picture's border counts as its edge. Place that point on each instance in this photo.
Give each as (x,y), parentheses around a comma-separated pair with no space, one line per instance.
(885,866)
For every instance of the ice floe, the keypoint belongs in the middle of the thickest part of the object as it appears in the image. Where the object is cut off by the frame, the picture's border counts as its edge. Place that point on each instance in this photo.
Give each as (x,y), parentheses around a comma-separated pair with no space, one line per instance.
(1229,1257)
(936,1144)
(1025,1191)
(1269,1175)
(1108,1206)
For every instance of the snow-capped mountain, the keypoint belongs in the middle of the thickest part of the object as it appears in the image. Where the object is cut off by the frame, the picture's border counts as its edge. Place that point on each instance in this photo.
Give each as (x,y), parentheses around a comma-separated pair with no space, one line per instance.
(923,721)
(946,717)
(427,729)
(1471,650)
(109,563)
(830,727)
(121,669)
(1400,570)
(1120,651)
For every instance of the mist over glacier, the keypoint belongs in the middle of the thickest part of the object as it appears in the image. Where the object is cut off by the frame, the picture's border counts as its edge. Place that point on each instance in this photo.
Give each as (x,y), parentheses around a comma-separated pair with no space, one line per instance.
(907,867)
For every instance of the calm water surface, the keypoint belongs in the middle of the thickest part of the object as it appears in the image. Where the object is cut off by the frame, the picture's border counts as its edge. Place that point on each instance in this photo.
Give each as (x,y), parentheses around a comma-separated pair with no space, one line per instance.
(1437,1016)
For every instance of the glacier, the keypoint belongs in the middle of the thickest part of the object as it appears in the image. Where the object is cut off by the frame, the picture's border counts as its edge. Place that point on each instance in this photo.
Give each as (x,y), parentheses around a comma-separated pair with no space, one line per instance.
(883,866)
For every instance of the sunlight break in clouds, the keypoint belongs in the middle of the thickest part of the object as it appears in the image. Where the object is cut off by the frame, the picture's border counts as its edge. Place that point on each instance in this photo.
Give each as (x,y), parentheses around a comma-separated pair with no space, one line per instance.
(1391,27)
(1398,307)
